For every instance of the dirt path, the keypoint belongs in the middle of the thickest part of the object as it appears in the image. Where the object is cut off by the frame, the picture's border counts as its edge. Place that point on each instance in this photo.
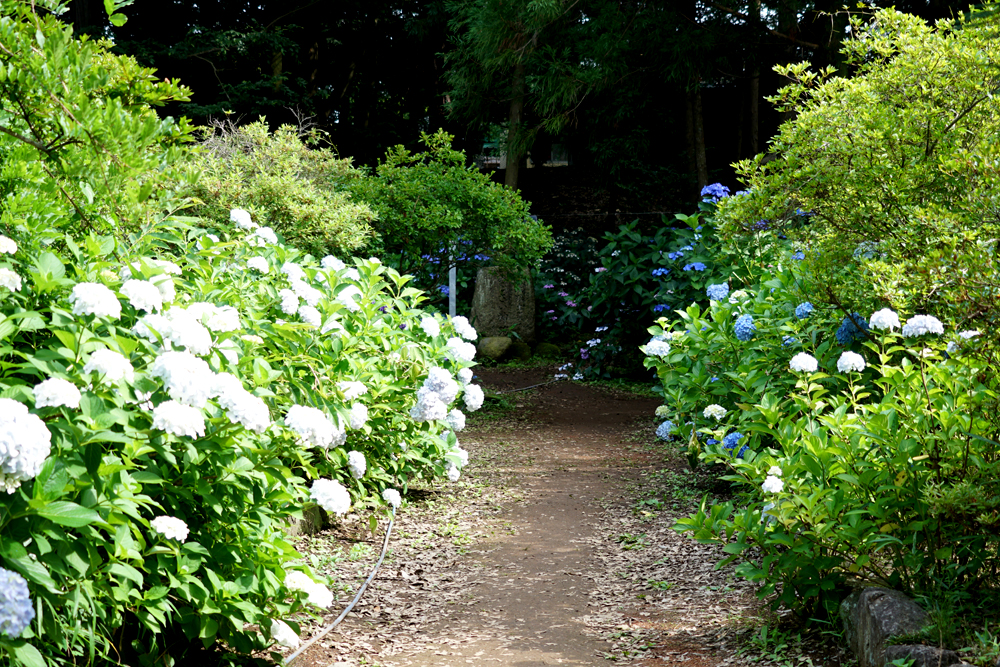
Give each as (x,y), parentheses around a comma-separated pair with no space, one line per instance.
(544,553)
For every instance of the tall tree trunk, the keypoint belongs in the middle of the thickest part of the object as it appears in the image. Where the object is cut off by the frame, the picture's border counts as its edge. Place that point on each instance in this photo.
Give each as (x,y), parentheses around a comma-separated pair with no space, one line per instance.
(755,110)
(741,121)
(515,145)
(701,160)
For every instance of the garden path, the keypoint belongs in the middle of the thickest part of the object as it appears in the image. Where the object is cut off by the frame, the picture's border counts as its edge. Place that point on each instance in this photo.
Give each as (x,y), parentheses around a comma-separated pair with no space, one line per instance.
(542,554)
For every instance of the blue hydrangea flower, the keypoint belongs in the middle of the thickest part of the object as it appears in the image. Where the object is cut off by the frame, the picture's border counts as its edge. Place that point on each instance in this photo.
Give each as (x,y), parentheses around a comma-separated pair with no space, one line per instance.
(711,441)
(718,292)
(799,255)
(714,192)
(742,451)
(803,310)
(660,307)
(481,258)
(788,341)
(697,266)
(848,332)
(745,328)
(731,440)
(660,272)
(687,248)
(674,256)
(761,225)
(444,290)
(16,610)
(664,430)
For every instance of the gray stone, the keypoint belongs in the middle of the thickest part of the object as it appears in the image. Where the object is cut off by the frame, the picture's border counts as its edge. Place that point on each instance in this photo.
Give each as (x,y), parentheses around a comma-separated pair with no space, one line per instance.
(499,306)
(493,347)
(872,615)
(312,521)
(922,656)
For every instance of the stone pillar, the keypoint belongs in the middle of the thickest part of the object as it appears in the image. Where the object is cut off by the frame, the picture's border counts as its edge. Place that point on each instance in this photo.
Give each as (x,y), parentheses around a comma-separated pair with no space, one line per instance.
(499,306)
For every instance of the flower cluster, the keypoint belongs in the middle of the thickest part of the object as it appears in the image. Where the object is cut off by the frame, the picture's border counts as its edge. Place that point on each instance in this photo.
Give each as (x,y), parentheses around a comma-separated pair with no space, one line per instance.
(850,361)
(714,411)
(918,325)
(461,350)
(665,430)
(16,610)
(694,266)
(109,364)
(25,443)
(357,464)
(803,310)
(885,319)
(657,348)
(714,192)
(473,397)
(142,295)
(56,392)
(852,328)
(803,362)
(430,326)
(392,497)
(744,327)
(463,328)
(331,496)
(316,593)
(170,527)
(10,280)
(717,292)
(179,419)
(94,299)
(314,427)
(283,635)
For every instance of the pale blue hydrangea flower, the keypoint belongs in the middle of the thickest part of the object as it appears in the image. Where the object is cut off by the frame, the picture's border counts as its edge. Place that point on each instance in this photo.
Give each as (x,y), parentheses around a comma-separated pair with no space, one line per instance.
(717,292)
(803,310)
(16,610)
(745,328)
(664,430)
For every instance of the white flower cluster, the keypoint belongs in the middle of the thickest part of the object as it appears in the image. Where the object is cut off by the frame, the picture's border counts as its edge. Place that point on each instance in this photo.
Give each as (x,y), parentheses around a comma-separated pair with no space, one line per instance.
(25,443)
(307,292)
(461,350)
(170,527)
(95,299)
(293,271)
(438,390)
(347,297)
(142,295)
(714,411)
(56,392)
(186,378)
(463,328)
(220,319)
(473,397)
(392,497)
(430,326)
(179,420)
(109,364)
(177,327)
(663,411)
(314,427)
(657,348)
(884,319)
(772,484)
(259,264)
(10,280)
(359,416)
(242,219)
(456,420)
(850,361)
(803,362)
(352,389)
(289,301)
(283,634)
(331,263)
(310,316)
(331,496)
(357,464)
(965,335)
(918,325)
(316,593)
(7,245)
(240,405)
(262,236)
(465,375)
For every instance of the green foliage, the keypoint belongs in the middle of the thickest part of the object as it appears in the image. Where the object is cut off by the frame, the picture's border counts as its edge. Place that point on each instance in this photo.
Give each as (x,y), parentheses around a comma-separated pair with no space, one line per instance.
(897,167)
(284,180)
(430,205)
(80,147)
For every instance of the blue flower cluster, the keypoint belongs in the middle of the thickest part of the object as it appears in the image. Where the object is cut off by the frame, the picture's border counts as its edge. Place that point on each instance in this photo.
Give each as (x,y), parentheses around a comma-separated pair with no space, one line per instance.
(803,310)
(444,290)
(674,256)
(730,441)
(799,255)
(660,307)
(660,272)
(745,328)
(788,341)
(848,332)
(664,430)
(761,225)
(16,610)
(714,192)
(696,266)
(717,292)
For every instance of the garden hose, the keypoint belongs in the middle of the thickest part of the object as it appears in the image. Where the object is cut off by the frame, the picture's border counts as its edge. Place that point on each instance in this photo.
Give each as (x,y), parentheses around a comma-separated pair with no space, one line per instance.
(541,384)
(385,547)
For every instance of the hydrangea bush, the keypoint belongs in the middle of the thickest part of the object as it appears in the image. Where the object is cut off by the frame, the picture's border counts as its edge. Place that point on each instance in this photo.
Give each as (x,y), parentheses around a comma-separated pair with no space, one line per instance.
(864,458)
(167,408)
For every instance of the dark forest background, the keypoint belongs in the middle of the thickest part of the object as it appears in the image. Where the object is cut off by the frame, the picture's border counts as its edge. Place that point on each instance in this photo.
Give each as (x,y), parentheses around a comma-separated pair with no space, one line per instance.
(649,100)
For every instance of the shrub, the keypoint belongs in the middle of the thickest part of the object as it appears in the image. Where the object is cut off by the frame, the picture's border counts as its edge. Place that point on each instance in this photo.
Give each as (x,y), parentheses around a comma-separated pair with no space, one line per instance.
(285,180)
(160,453)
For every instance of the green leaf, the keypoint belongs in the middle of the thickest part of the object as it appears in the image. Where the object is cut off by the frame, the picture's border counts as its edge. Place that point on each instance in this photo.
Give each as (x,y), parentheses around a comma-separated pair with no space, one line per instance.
(27,655)
(49,263)
(69,514)
(119,20)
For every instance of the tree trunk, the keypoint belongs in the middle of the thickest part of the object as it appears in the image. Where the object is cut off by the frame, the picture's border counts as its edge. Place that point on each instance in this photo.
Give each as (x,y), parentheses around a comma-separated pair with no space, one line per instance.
(740,122)
(515,146)
(755,110)
(701,160)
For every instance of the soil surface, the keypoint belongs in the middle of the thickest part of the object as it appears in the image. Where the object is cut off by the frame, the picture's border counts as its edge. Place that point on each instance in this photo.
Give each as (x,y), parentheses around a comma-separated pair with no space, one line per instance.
(555,548)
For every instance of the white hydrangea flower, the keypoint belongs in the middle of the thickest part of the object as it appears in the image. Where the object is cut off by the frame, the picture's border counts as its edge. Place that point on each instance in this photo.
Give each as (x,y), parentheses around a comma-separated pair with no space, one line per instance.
(775,471)
(663,411)
(263,235)
(967,335)
(216,318)
(803,363)
(310,316)
(331,496)
(440,382)
(170,527)
(772,484)
(453,471)
(143,295)
(7,245)
(463,328)
(284,635)
(317,593)
(850,361)
(714,411)
(241,406)
(289,302)
(25,443)
(918,325)
(307,292)
(429,406)
(460,454)
(461,350)
(351,389)
(293,271)
(884,319)
(252,338)
(110,364)
(242,219)
(259,264)
(180,420)
(656,348)
(347,296)
(465,375)
(392,497)
(186,378)
(10,280)
(56,392)
(357,464)
(473,397)
(737,296)
(456,420)
(314,427)
(166,287)
(94,299)
(359,416)
(352,274)
(331,263)
(430,326)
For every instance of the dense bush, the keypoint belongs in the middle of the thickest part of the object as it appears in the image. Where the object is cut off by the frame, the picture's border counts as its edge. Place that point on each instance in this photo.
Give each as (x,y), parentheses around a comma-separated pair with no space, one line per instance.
(286,180)
(430,206)
(164,417)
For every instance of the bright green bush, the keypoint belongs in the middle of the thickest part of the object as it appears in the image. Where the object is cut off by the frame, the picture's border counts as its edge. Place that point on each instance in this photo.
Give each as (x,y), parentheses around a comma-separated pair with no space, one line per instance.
(431,205)
(286,181)
(896,166)
(233,465)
